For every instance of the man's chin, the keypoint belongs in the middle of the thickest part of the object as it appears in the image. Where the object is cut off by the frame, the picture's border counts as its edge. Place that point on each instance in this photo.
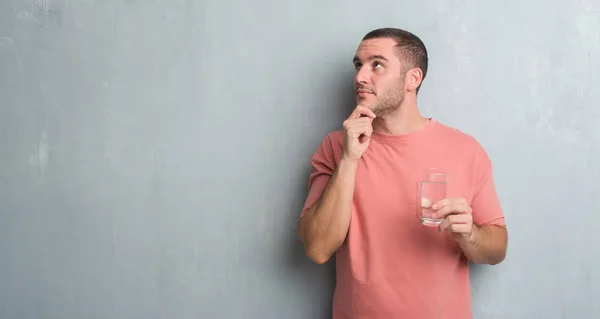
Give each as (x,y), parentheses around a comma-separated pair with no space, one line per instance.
(372,106)
(365,103)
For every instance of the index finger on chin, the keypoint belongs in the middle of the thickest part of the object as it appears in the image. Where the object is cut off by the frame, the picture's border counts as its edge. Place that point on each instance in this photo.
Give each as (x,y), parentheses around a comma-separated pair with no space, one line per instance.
(363,111)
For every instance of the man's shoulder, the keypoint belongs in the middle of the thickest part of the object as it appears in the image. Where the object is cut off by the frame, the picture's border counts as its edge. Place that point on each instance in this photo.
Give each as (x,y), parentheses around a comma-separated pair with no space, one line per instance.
(467,143)
(335,139)
(457,136)
(331,146)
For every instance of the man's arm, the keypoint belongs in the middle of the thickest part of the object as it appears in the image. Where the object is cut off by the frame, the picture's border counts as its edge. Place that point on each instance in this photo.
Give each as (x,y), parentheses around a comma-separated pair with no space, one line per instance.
(486,245)
(324,226)
(478,227)
(481,244)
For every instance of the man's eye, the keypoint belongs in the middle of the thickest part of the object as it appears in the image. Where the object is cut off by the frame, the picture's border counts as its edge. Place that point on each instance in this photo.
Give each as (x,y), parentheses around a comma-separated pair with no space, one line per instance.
(357,66)
(377,65)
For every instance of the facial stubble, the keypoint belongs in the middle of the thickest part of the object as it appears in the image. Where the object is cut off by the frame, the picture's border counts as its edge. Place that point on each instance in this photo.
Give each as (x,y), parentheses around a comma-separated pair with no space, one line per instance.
(389,102)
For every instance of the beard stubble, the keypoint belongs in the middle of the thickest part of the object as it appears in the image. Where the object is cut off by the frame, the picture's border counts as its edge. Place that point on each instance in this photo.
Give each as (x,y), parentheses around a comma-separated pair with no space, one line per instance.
(389,102)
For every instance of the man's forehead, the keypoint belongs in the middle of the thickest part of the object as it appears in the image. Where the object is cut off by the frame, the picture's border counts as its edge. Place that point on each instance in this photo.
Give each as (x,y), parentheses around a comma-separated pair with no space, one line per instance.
(380,46)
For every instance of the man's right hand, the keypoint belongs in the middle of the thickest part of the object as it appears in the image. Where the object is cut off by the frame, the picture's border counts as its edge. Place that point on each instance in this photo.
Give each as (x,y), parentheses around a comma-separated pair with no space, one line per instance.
(357,133)
(324,226)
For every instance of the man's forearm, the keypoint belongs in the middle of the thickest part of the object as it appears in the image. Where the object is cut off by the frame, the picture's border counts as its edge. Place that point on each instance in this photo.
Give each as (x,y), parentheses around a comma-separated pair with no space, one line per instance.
(486,245)
(324,227)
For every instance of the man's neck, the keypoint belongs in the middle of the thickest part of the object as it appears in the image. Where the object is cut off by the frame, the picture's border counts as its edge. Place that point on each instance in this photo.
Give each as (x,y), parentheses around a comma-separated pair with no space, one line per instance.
(406,119)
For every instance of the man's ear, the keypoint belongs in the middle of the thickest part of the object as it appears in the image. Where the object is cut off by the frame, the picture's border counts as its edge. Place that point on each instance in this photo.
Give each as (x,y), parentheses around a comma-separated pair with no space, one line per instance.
(414,77)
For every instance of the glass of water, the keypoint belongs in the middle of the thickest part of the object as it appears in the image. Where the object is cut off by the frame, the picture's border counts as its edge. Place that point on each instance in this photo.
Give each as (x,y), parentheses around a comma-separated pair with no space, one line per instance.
(432,188)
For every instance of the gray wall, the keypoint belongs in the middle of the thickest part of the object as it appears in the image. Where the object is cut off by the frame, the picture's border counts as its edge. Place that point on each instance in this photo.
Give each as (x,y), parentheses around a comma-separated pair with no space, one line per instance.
(154,155)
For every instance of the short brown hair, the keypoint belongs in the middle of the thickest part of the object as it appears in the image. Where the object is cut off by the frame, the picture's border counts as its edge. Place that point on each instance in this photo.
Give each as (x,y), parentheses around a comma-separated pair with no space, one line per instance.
(409,48)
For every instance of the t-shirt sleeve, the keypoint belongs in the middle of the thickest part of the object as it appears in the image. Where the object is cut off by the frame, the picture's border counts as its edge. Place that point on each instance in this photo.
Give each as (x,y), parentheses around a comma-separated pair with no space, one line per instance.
(485,205)
(323,164)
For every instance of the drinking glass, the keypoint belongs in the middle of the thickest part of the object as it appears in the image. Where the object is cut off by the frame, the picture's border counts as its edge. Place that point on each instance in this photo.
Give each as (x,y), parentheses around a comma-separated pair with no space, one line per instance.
(432,188)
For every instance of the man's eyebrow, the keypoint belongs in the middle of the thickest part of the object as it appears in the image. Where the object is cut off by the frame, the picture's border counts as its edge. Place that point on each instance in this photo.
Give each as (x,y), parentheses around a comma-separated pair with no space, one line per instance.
(373,57)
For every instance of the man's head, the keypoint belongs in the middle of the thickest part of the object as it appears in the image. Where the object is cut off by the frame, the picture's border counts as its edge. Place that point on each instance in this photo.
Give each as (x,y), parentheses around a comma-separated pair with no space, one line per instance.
(389,63)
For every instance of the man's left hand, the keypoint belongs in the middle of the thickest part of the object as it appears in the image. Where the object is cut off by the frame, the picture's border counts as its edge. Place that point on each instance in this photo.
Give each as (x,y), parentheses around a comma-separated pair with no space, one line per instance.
(457,218)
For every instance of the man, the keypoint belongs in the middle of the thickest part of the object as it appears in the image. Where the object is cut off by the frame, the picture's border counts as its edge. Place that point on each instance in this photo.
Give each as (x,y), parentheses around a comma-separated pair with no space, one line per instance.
(362,199)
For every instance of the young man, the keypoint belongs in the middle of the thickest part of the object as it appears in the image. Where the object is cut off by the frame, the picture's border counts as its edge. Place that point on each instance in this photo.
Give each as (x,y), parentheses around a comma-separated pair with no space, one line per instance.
(363,197)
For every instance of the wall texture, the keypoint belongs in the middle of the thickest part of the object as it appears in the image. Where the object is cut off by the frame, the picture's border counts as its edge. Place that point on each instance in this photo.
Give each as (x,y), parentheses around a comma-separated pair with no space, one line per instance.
(154,155)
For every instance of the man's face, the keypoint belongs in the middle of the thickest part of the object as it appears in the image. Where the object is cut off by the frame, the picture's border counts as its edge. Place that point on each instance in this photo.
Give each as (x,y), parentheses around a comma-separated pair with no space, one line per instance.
(379,80)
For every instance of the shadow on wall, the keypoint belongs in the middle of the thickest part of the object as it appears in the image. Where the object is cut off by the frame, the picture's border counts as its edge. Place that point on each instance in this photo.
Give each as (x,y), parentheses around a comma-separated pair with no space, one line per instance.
(344,96)
(337,100)
(340,100)
(477,273)
(334,101)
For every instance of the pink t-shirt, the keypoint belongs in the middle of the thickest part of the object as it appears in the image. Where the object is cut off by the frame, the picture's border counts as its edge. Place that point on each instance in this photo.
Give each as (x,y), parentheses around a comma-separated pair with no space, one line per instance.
(391,266)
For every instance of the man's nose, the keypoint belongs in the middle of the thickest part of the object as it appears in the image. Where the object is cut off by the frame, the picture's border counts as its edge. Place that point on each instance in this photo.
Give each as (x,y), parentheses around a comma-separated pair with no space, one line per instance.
(362,76)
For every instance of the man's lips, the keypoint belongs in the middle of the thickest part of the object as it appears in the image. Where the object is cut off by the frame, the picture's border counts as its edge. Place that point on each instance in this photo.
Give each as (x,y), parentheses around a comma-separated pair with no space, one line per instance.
(364,92)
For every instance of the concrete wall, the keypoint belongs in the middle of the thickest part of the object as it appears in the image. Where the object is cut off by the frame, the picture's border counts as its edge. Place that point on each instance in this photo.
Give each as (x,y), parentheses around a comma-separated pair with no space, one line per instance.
(154,155)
